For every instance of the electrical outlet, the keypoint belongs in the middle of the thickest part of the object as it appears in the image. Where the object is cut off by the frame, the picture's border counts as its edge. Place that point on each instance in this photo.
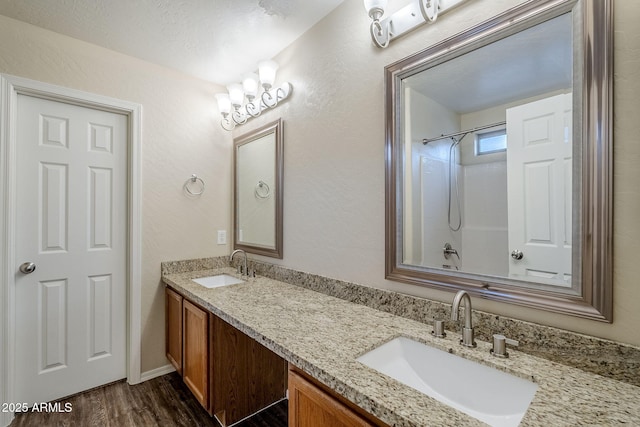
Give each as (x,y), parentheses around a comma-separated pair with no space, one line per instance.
(222,237)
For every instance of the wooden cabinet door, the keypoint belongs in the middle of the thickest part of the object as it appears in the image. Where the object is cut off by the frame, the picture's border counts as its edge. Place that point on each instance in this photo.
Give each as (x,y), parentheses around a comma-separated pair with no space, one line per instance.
(173,328)
(195,333)
(245,376)
(309,406)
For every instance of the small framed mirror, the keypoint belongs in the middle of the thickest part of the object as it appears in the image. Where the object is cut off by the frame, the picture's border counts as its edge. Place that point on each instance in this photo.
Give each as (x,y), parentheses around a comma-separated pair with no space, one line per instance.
(498,160)
(258,164)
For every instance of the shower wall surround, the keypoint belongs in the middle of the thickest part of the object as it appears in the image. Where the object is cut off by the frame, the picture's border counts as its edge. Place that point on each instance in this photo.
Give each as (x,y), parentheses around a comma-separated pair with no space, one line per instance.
(603,357)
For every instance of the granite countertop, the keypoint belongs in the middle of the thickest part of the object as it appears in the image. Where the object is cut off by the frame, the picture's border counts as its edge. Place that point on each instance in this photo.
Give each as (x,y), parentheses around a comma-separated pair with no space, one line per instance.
(323,336)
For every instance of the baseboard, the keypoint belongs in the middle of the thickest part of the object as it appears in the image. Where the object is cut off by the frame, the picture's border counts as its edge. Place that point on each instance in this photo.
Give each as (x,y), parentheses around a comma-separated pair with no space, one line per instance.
(158,372)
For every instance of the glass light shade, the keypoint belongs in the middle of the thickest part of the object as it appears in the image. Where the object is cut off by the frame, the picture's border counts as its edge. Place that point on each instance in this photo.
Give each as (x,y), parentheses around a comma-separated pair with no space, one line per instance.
(250,85)
(267,70)
(370,5)
(236,94)
(224,103)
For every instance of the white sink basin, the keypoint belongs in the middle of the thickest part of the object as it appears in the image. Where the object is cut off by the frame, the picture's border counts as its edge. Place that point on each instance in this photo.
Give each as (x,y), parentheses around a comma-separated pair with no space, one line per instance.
(490,395)
(217,281)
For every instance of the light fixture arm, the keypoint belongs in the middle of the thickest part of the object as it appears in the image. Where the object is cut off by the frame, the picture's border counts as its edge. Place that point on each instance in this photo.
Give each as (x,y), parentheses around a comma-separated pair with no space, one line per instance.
(380,34)
(271,98)
(239,116)
(430,9)
(227,123)
(254,109)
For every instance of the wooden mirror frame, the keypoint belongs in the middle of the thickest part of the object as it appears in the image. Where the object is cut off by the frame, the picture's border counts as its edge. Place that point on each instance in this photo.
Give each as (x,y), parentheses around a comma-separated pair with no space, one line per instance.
(596,228)
(276,128)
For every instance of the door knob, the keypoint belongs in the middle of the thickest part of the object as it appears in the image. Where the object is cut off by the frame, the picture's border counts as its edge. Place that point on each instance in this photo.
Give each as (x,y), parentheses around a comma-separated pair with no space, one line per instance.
(27,268)
(517,255)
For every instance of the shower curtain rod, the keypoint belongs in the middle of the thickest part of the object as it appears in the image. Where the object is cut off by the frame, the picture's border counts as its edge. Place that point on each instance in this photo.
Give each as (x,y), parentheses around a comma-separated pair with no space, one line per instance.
(438,138)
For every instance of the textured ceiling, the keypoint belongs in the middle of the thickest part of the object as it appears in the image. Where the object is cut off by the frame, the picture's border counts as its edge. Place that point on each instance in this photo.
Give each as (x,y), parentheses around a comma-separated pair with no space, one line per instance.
(216,40)
(529,63)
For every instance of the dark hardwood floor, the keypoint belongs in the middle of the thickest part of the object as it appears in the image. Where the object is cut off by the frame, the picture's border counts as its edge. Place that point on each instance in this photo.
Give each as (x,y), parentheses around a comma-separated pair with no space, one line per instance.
(163,401)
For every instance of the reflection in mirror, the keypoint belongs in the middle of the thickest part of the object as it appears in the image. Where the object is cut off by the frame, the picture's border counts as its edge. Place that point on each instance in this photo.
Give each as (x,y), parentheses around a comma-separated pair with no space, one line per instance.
(258,191)
(490,161)
(498,178)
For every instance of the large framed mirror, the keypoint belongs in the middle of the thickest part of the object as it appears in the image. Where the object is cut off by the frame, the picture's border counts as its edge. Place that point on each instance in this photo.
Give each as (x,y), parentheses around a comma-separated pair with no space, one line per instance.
(259,164)
(498,160)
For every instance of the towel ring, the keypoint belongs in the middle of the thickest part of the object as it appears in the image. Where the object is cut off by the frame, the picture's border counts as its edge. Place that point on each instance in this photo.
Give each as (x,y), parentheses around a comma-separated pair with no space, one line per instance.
(262,190)
(194,178)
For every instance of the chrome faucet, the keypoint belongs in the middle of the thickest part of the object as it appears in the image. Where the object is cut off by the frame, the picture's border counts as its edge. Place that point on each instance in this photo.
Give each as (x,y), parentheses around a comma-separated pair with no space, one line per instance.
(467,330)
(244,264)
(448,250)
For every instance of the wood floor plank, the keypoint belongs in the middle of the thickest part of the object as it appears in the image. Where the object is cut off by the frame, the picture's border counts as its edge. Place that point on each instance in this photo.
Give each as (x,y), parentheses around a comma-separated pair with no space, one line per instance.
(164,401)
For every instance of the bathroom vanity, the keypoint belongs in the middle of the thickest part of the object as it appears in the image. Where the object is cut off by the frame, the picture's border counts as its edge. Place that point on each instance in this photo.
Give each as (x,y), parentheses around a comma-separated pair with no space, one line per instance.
(230,374)
(233,376)
(321,337)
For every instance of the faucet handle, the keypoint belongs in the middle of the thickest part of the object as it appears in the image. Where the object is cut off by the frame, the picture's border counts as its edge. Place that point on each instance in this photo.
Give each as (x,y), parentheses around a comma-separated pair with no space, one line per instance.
(438,329)
(500,345)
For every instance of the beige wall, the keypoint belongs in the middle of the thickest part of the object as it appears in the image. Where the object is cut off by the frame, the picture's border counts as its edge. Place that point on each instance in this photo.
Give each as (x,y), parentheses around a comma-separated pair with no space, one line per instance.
(180,136)
(334,154)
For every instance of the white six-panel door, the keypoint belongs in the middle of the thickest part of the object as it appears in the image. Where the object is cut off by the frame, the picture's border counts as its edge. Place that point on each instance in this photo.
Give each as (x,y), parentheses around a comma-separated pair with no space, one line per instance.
(72,211)
(539,189)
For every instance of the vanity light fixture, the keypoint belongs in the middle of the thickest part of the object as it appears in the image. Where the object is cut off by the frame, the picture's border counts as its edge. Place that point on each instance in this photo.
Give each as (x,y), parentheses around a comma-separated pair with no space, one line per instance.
(406,19)
(241,102)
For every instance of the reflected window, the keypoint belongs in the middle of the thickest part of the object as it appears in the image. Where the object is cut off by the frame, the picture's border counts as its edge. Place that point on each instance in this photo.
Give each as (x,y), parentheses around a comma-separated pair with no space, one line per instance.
(491,142)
